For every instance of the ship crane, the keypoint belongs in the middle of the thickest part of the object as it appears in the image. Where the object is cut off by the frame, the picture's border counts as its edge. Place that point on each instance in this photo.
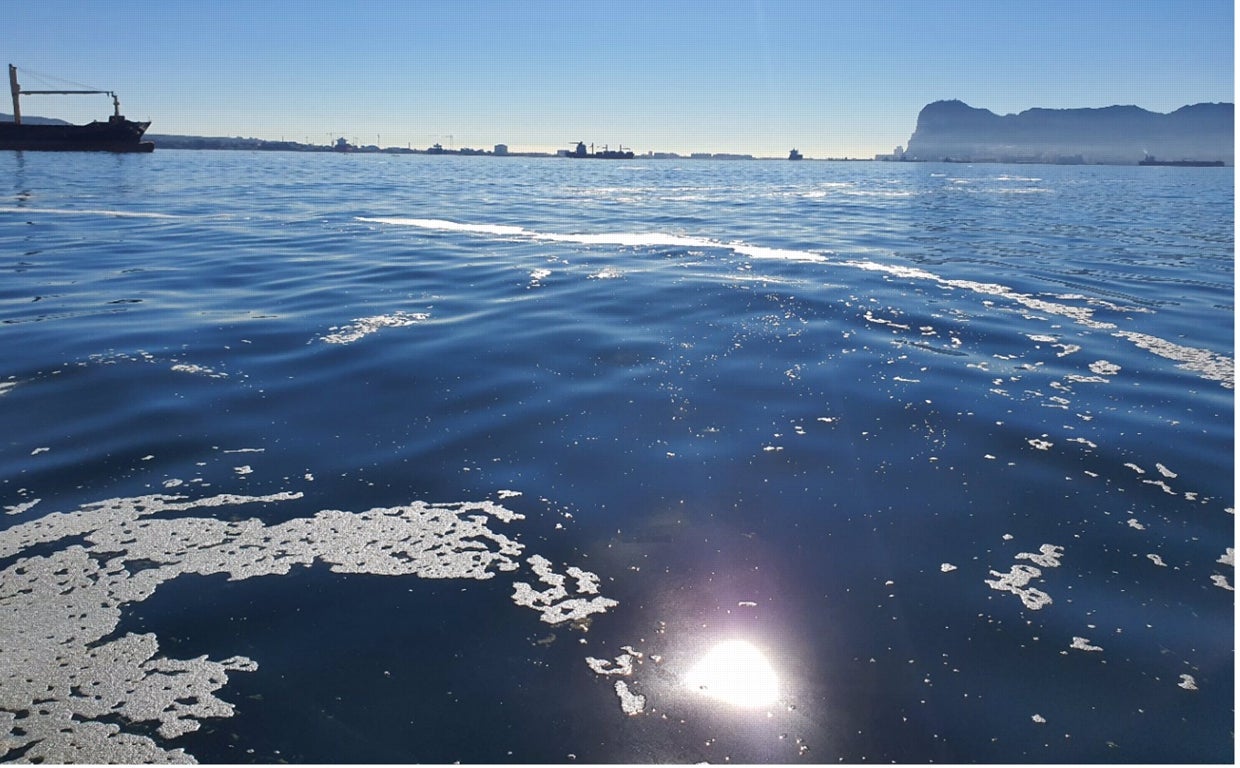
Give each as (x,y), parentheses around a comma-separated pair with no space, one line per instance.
(18,93)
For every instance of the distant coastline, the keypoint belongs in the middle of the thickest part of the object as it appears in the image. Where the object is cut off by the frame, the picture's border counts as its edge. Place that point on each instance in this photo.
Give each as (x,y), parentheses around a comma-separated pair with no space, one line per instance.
(1196,135)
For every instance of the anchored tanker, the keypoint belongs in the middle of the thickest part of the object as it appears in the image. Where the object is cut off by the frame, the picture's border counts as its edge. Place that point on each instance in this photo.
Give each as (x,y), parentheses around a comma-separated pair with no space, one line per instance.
(116,135)
(602,154)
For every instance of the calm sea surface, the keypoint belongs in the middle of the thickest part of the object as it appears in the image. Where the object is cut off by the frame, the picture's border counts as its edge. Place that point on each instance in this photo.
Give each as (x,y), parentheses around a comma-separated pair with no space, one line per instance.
(320,458)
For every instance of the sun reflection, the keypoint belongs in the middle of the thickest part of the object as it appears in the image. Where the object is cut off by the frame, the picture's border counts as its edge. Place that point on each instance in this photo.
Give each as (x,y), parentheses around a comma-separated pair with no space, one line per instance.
(737,673)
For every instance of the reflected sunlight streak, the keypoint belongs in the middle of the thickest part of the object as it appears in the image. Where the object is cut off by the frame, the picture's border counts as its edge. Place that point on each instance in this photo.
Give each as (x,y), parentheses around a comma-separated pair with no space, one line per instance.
(737,673)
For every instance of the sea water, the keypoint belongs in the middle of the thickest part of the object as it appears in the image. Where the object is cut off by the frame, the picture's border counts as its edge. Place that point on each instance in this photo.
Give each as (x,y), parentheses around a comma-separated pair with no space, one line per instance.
(365,458)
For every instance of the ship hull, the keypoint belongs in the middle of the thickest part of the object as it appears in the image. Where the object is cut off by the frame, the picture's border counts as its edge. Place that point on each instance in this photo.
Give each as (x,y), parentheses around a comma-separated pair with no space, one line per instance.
(116,135)
(1183,163)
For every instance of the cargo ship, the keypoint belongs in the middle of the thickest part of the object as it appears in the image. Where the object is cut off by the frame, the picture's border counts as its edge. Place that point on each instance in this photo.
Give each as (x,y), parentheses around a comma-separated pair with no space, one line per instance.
(1151,160)
(117,134)
(603,154)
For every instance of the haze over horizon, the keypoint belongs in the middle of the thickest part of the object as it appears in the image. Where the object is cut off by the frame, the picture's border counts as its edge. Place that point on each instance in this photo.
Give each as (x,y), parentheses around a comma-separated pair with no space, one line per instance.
(833,79)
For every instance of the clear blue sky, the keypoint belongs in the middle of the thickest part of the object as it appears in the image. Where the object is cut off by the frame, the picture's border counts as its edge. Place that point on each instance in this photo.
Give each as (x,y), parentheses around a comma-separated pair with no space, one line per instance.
(755,76)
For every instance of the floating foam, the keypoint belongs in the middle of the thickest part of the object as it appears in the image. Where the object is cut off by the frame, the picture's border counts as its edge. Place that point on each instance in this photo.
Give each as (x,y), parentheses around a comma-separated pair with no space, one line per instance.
(1017,579)
(1209,364)
(198,369)
(1082,644)
(622,665)
(1047,556)
(17,509)
(631,703)
(365,326)
(74,692)
(1160,484)
(1164,471)
(554,602)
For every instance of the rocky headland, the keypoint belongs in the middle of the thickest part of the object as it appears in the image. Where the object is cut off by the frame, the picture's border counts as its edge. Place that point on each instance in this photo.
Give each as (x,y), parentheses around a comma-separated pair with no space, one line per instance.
(953,130)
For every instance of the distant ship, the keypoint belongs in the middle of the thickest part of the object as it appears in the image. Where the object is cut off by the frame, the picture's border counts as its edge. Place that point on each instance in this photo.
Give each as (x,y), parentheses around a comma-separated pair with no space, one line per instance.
(1151,160)
(604,154)
(115,135)
(795,155)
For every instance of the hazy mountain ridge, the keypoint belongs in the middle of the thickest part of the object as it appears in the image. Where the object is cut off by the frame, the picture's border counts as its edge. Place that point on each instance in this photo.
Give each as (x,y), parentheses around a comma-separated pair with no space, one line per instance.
(34,120)
(1116,134)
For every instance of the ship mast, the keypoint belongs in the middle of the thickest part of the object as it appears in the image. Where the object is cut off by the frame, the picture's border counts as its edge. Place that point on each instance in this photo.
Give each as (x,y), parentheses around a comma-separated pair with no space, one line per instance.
(17,92)
(17,110)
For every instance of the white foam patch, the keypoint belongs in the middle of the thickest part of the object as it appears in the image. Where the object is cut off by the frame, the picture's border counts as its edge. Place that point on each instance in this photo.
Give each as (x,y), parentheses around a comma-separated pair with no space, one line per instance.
(554,603)
(25,506)
(631,703)
(1017,579)
(68,695)
(622,665)
(1208,364)
(365,326)
(1082,644)
(201,370)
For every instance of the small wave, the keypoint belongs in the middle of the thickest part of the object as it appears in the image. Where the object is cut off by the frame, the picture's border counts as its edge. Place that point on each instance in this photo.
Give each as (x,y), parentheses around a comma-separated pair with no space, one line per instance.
(624,239)
(1207,364)
(90,212)
(450,226)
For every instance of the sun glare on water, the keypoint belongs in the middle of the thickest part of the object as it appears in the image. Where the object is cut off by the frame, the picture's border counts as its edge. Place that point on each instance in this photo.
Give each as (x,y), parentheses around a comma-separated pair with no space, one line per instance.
(736,673)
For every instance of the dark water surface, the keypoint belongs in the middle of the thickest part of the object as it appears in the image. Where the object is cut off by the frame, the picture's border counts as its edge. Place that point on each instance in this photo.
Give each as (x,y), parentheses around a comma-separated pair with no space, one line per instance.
(941,456)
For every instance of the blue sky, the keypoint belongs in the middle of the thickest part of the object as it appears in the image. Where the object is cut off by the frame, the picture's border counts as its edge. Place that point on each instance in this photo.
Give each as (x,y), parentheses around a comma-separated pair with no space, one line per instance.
(836,79)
